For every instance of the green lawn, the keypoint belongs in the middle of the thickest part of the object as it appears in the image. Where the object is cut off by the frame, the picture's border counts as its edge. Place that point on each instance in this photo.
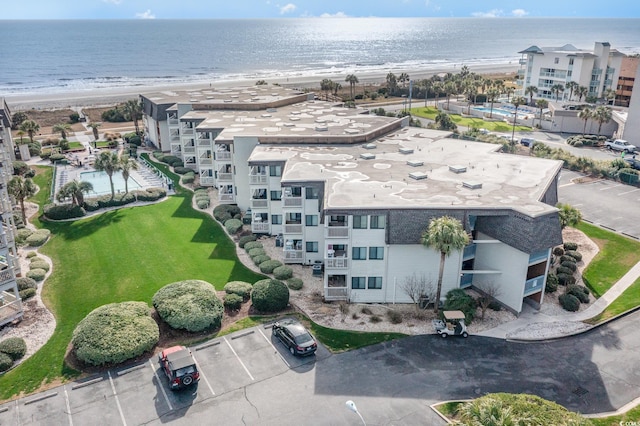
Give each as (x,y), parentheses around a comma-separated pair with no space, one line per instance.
(125,254)
(493,126)
(75,145)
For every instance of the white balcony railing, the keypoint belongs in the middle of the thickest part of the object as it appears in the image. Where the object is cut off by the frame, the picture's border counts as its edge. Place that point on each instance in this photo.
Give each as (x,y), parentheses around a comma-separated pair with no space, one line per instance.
(225,177)
(292,255)
(259,203)
(172,122)
(260,227)
(337,263)
(293,229)
(335,293)
(292,201)
(5,276)
(206,160)
(227,198)
(10,307)
(207,180)
(187,131)
(189,149)
(223,155)
(257,179)
(337,231)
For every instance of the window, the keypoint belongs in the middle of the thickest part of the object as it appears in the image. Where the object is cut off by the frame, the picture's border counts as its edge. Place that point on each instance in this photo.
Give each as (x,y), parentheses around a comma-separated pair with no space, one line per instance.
(359,222)
(376,253)
(276,219)
(570,61)
(294,218)
(359,253)
(312,246)
(296,191)
(556,61)
(377,222)
(312,193)
(374,283)
(276,195)
(357,283)
(311,220)
(275,170)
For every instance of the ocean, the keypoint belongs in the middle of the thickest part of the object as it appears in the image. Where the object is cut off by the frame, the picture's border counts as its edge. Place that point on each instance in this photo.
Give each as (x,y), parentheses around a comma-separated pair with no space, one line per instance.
(74,55)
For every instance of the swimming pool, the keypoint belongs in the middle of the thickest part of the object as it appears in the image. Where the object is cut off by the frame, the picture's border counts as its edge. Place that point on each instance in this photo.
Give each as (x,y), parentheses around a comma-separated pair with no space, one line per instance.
(503,112)
(100,182)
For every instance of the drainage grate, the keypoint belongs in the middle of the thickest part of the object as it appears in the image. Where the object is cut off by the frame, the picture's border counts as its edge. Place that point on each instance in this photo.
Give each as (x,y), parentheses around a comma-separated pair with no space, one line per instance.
(580,391)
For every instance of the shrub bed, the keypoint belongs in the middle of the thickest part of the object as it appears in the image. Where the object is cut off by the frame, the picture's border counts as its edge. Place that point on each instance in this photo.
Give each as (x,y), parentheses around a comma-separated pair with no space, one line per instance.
(258,251)
(14,347)
(233,302)
(564,279)
(552,283)
(566,258)
(27,293)
(251,245)
(22,235)
(283,272)
(569,265)
(569,302)
(224,212)
(233,226)
(203,204)
(38,238)
(182,170)
(25,283)
(63,211)
(580,292)
(191,305)
(570,246)
(40,264)
(151,194)
(188,178)
(31,255)
(268,266)
(114,333)
(5,362)
(36,274)
(260,259)
(270,295)
(241,288)
(564,270)
(246,239)
(295,283)
(458,299)
(576,255)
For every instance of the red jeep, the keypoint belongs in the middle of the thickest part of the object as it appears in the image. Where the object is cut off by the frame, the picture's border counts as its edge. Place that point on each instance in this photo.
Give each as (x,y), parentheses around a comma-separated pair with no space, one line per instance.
(179,366)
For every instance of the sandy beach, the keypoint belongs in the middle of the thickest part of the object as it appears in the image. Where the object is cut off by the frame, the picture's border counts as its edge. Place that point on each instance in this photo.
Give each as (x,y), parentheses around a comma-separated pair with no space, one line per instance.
(112,96)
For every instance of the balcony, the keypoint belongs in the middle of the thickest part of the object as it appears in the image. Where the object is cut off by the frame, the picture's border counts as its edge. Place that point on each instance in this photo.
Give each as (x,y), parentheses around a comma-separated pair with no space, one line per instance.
(207,180)
(261,227)
(259,203)
(293,228)
(223,155)
(533,285)
(189,149)
(188,131)
(206,160)
(292,256)
(522,61)
(172,121)
(335,293)
(225,177)
(6,275)
(10,308)
(336,263)
(292,201)
(257,179)
(333,231)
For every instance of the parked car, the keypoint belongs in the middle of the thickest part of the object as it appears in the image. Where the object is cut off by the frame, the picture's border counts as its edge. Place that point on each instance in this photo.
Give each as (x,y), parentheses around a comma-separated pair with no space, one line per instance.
(527,141)
(620,145)
(633,162)
(179,367)
(295,337)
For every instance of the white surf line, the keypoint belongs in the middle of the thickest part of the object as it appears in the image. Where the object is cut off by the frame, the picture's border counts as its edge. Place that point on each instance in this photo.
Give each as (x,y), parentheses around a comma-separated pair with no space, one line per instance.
(164,393)
(203,376)
(610,187)
(274,348)
(66,400)
(241,363)
(113,389)
(629,192)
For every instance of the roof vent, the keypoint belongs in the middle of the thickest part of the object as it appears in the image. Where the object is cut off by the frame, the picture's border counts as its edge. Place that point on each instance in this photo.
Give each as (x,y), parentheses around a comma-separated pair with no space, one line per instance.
(351,131)
(367,156)
(322,128)
(266,115)
(369,146)
(457,169)
(472,184)
(418,175)
(415,163)
(406,150)
(272,110)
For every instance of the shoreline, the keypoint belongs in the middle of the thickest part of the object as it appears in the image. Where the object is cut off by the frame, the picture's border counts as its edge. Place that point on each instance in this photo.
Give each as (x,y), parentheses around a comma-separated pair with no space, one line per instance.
(115,95)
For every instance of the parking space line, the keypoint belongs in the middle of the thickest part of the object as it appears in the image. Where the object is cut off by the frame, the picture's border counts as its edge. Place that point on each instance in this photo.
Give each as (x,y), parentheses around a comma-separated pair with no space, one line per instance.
(115,395)
(566,184)
(629,192)
(241,363)
(274,348)
(203,376)
(17,412)
(164,393)
(610,187)
(66,400)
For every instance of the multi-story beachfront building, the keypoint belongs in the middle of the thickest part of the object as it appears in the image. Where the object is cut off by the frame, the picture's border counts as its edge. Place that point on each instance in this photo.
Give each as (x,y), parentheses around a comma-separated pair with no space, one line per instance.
(545,67)
(626,80)
(10,303)
(356,191)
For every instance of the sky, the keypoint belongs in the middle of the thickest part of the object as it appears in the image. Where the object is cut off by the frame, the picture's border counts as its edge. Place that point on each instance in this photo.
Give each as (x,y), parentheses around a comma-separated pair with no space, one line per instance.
(228,9)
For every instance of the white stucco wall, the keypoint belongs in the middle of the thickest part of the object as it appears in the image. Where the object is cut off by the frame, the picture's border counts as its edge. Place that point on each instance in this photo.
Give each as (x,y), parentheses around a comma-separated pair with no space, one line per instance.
(242,147)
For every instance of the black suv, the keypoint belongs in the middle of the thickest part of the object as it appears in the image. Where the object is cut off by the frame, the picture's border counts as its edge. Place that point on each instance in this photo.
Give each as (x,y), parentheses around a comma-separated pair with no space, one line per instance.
(295,337)
(179,367)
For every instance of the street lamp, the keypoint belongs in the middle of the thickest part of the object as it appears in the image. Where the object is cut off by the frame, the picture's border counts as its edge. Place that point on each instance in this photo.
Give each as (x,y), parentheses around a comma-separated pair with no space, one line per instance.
(352,406)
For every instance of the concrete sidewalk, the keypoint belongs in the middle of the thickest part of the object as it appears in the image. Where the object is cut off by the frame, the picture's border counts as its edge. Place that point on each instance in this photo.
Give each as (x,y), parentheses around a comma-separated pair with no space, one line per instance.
(534,325)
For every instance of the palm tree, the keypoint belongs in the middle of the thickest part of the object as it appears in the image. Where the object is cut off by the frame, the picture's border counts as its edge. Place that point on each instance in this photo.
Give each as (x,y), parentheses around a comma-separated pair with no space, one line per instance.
(557,88)
(126,165)
(62,128)
(446,235)
(449,89)
(602,114)
(610,95)
(585,114)
(438,87)
(516,102)
(531,90)
(20,134)
(492,95)
(509,91)
(571,85)
(133,109)
(581,91)
(30,127)
(403,78)
(541,104)
(94,129)
(568,215)
(336,86)
(109,163)
(352,80)
(326,85)
(392,83)
(76,190)
(22,188)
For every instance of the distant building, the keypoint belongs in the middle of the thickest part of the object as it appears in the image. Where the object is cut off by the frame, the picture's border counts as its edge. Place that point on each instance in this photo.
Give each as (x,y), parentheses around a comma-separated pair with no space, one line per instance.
(626,80)
(356,191)
(10,303)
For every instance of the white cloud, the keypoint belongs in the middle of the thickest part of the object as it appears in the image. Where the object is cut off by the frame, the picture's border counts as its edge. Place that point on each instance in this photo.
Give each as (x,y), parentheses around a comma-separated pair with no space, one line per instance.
(112,1)
(494,13)
(519,12)
(335,15)
(288,8)
(146,15)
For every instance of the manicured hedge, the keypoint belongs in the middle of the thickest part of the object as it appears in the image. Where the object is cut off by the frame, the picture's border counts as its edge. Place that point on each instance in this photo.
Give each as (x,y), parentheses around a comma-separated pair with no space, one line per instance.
(182,170)
(14,347)
(246,239)
(570,246)
(27,293)
(552,283)
(268,266)
(558,251)
(256,252)
(241,288)
(37,274)
(191,305)
(5,362)
(40,265)
(233,226)
(270,295)
(188,178)
(565,279)
(564,270)
(63,211)
(580,292)
(283,273)
(224,212)
(114,333)
(569,302)
(295,283)
(22,235)
(576,255)
(232,302)
(569,265)
(203,204)
(257,260)
(25,283)
(38,238)
(251,245)
(35,257)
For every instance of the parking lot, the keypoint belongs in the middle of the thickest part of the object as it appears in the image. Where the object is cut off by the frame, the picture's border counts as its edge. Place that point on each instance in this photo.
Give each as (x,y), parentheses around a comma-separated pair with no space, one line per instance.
(139,394)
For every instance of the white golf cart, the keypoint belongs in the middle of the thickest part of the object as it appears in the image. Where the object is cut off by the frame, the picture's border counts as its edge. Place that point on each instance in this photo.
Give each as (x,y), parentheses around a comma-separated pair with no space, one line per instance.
(453,324)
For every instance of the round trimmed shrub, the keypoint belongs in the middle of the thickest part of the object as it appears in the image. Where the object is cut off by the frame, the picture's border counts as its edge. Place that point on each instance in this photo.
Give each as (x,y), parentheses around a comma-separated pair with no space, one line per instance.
(295,283)
(569,302)
(233,302)
(191,305)
(25,283)
(283,273)
(35,258)
(570,246)
(182,170)
(27,293)
(580,292)
(188,178)
(256,252)
(564,270)
(576,255)
(564,279)
(31,254)
(203,204)
(570,265)
(5,362)
(38,238)
(114,333)
(224,212)
(246,239)
(22,235)
(566,258)
(36,274)
(233,226)
(241,288)
(14,347)
(268,266)
(260,259)
(41,264)
(251,245)
(270,295)
(552,283)
(558,251)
